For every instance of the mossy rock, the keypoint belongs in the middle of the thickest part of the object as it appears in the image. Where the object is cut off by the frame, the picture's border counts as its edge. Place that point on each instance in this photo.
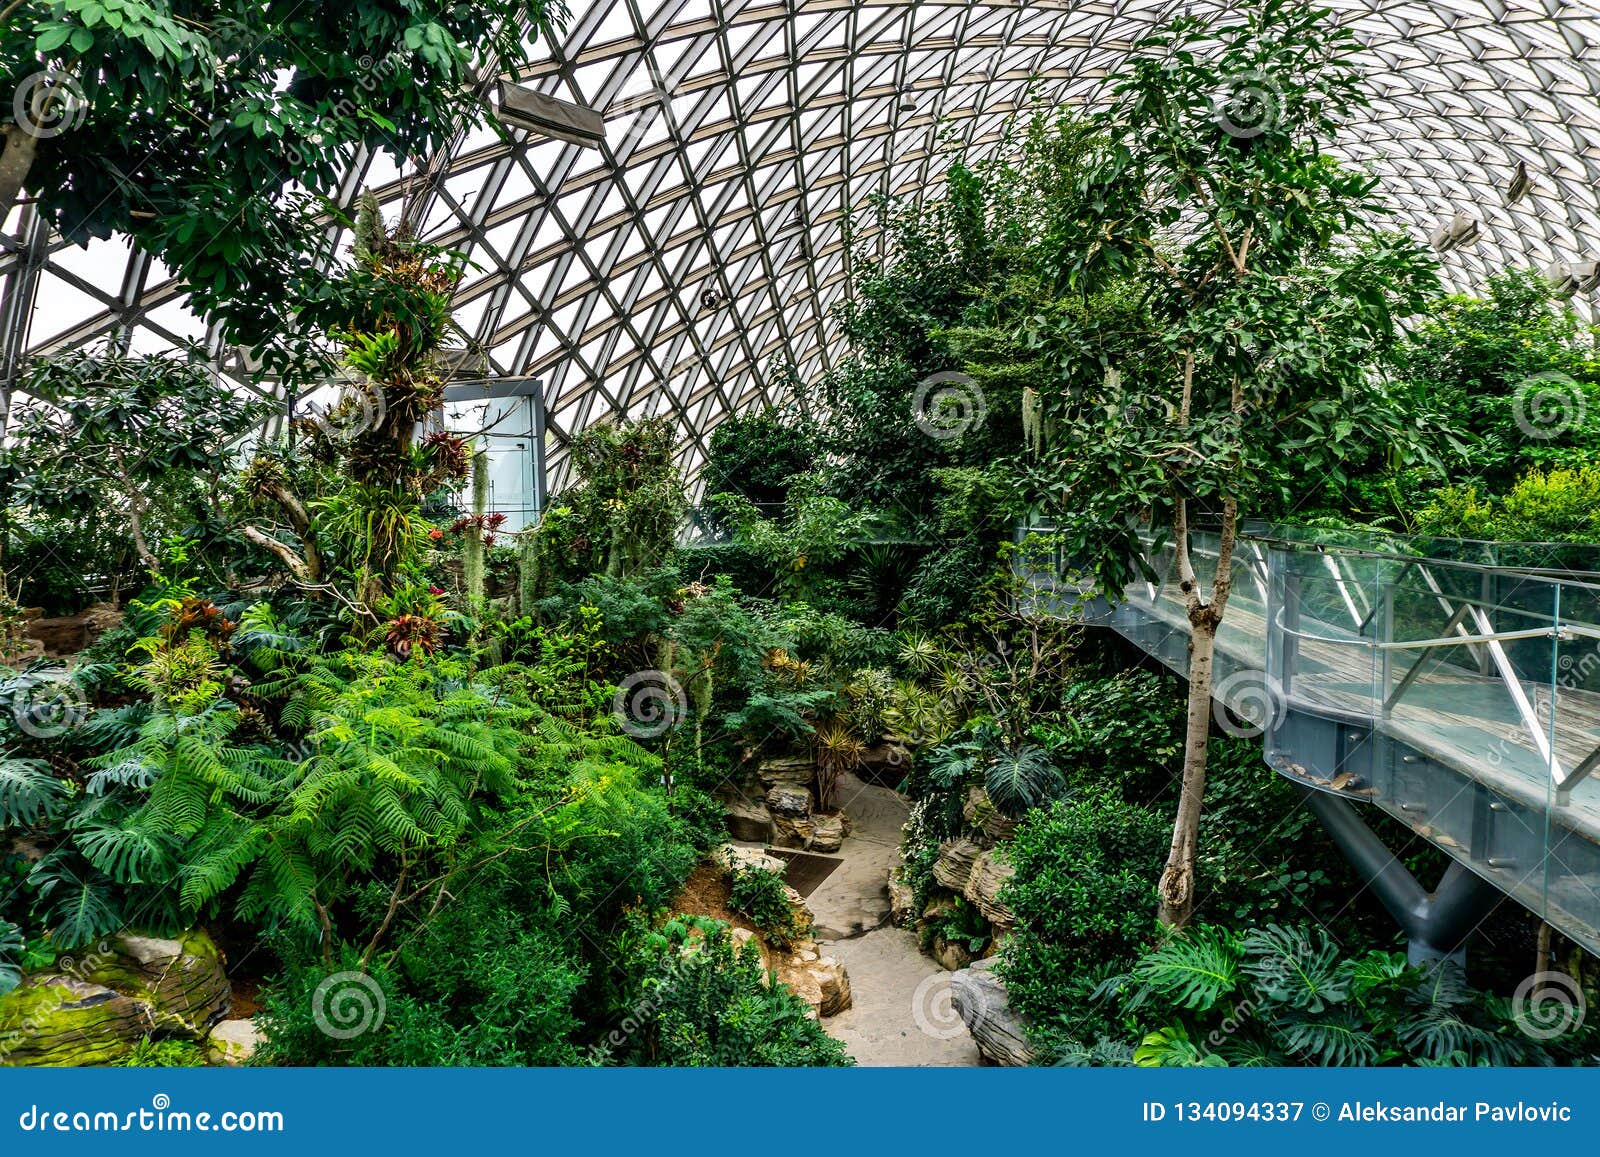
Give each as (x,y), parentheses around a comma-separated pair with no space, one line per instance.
(92,1011)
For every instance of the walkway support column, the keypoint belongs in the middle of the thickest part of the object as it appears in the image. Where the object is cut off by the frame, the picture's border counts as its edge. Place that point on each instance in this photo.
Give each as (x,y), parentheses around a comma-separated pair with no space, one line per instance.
(1437,922)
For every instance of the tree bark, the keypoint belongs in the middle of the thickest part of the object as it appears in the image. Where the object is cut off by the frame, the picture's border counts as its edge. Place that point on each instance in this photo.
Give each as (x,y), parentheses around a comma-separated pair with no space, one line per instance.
(297,565)
(1177,879)
(15,161)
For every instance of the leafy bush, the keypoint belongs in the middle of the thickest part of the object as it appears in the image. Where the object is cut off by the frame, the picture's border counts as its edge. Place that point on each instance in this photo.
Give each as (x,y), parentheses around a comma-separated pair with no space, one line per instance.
(759,894)
(701,1003)
(1559,505)
(1286,995)
(1083,895)
(1125,728)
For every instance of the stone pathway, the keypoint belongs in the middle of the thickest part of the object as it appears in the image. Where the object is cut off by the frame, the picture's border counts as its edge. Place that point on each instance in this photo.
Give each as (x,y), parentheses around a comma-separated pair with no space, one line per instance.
(902,1013)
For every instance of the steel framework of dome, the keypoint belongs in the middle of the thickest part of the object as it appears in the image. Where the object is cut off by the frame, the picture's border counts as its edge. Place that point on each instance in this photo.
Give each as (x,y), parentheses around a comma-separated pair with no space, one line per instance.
(668,270)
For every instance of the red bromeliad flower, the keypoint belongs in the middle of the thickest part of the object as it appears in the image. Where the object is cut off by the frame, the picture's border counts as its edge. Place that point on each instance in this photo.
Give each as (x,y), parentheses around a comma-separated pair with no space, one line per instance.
(436,534)
(435,591)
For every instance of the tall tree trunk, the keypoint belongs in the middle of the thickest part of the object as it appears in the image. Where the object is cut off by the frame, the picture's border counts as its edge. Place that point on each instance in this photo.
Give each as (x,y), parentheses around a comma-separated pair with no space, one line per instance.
(1177,879)
(1176,889)
(15,161)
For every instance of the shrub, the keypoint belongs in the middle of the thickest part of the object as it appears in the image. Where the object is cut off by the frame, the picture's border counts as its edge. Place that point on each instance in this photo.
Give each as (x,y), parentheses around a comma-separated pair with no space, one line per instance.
(701,1003)
(760,895)
(1126,728)
(1083,895)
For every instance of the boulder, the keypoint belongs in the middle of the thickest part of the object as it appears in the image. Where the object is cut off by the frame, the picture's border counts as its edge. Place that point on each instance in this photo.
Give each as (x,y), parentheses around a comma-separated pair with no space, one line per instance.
(791,833)
(233,1042)
(94,1009)
(827,833)
(748,821)
(955,863)
(732,856)
(790,802)
(983,815)
(982,889)
(63,635)
(979,996)
(902,901)
(800,771)
(833,983)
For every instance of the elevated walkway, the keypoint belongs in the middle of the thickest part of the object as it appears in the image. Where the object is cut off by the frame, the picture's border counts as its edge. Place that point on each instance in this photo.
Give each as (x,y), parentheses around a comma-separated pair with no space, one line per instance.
(1456,686)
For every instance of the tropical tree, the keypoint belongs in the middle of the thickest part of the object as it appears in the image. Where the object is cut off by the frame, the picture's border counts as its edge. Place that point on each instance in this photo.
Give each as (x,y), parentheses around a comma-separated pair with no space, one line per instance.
(1223,301)
(119,440)
(188,126)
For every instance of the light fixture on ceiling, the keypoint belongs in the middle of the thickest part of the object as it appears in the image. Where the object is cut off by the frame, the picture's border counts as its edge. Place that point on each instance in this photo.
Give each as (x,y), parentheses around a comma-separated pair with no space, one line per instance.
(523,108)
(1520,184)
(908,100)
(712,300)
(1571,277)
(1458,231)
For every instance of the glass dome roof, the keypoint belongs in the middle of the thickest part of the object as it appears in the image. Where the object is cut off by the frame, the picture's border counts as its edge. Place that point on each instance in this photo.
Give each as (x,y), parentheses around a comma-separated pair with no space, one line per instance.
(670,270)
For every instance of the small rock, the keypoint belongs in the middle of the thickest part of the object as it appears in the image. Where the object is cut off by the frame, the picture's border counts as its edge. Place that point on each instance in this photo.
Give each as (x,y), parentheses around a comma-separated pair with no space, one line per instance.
(787,802)
(952,957)
(902,901)
(834,983)
(827,833)
(233,1042)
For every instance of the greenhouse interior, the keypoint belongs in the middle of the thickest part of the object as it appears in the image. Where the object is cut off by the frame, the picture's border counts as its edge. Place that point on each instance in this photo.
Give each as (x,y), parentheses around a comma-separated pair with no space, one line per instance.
(641,533)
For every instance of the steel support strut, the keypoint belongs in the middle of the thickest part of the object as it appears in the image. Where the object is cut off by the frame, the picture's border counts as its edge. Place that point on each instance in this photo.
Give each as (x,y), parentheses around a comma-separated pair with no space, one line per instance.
(1437,922)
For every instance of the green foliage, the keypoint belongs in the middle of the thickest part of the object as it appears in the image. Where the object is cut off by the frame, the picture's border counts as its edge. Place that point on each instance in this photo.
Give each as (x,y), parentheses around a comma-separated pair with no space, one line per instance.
(202,120)
(150,1053)
(759,456)
(759,894)
(701,1003)
(126,448)
(1558,505)
(1287,995)
(1081,893)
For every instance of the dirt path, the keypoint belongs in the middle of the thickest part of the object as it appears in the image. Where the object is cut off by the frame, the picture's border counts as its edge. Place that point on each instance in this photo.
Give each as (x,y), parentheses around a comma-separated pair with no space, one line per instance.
(902,1013)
